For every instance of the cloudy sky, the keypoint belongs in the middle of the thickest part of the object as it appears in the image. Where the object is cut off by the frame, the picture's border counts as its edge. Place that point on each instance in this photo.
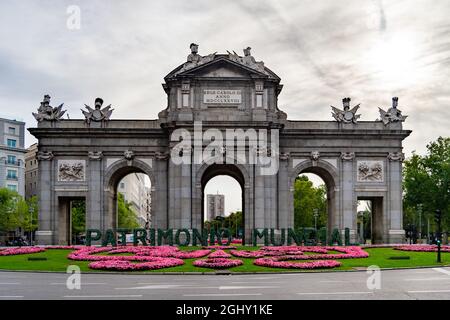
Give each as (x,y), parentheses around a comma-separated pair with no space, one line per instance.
(323,50)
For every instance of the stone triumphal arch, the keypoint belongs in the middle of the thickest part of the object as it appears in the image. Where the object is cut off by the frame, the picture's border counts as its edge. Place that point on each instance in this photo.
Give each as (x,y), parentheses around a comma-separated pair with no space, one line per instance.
(207,96)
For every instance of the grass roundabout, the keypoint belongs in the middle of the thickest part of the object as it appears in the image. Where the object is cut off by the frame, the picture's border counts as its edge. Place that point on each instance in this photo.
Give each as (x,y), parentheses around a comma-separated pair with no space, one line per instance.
(206,260)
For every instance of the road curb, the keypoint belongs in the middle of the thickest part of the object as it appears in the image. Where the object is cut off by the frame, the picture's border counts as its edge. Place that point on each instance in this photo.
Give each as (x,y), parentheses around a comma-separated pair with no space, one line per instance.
(230,273)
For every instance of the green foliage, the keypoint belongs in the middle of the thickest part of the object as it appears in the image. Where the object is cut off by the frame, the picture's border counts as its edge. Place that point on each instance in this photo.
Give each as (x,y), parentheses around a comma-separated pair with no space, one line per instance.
(15,212)
(78,217)
(306,199)
(426,181)
(31,222)
(127,218)
(234,222)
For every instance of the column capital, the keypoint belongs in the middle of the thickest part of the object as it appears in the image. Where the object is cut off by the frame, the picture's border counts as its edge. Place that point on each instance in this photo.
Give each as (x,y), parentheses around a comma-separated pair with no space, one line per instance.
(347,156)
(396,156)
(95,155)
(45,155)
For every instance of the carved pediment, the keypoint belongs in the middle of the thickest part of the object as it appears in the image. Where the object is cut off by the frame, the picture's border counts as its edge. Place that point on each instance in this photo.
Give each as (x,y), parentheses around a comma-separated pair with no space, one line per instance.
(223,72)
(221,66)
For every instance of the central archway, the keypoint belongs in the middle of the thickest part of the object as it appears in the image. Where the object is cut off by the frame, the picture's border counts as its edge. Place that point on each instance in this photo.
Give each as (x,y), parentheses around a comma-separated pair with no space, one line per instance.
(235,171)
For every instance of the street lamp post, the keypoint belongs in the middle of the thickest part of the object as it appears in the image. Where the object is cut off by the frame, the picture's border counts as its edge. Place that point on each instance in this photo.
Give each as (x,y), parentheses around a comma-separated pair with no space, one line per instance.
(315,214)
(236,224)
(419,209)
(361,226)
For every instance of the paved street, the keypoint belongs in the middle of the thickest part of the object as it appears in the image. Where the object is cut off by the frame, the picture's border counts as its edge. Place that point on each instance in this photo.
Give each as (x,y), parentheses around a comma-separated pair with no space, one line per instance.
(429,283)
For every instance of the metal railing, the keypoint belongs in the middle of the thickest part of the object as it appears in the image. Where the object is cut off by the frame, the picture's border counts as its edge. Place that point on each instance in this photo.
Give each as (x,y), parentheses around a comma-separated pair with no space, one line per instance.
(13,163)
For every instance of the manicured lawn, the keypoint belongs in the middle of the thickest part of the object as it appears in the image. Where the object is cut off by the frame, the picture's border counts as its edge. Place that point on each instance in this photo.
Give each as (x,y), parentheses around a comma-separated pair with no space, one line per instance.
(57,261)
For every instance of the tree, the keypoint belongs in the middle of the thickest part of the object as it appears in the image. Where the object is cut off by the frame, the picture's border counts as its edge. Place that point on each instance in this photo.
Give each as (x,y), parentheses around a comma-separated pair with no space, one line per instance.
(126,216)
(78,217)
(306,199)
(426,182)
(15,211)
(8,209)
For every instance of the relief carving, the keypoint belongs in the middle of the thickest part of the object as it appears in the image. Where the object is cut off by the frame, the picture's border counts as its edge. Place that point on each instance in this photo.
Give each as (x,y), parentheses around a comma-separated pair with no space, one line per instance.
(370,171)
(71,170)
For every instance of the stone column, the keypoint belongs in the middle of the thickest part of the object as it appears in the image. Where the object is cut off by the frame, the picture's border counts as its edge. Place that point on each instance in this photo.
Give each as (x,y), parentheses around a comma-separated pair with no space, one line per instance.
(159,191)
(94,199)
(348,209)
(186,194)
(395,206)
(48,220)
(284,189)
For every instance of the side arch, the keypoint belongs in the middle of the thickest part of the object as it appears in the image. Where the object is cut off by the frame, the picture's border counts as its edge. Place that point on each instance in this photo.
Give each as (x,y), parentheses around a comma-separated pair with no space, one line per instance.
(330,176)
(114,173)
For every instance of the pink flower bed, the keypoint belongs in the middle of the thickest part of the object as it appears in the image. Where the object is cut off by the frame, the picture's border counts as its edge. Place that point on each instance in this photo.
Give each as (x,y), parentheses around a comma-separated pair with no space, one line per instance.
(347,253)
(422,248)
(297,252)
(152,263)
(161,251)
(63,247)
(248,254)
(191,254)
(21,250)
(139,253)
(276,262)
(217,263)
(296,249)
(219,254)
(220,247)
(148,258)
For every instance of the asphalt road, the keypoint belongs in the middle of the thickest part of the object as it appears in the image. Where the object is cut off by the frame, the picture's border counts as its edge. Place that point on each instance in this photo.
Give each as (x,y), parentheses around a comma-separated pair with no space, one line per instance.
(427,283)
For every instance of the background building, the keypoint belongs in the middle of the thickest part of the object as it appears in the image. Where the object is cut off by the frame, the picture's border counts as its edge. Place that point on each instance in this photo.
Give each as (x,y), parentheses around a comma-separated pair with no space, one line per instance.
(136,192)
(216,206)
(31,171)
(12,155)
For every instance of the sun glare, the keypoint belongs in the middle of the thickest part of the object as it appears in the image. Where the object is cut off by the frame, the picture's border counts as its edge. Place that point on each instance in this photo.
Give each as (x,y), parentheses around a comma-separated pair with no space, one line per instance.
(392,60)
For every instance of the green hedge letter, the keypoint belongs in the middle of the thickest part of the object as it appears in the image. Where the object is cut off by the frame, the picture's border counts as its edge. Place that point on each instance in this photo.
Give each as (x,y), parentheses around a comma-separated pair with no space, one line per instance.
(123,235)
(297,236)
(109,237)
(256,234)
(90,238)
(186,241)
(282,236)
(139,234)
(335,237)
(168,235)
(202,237)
